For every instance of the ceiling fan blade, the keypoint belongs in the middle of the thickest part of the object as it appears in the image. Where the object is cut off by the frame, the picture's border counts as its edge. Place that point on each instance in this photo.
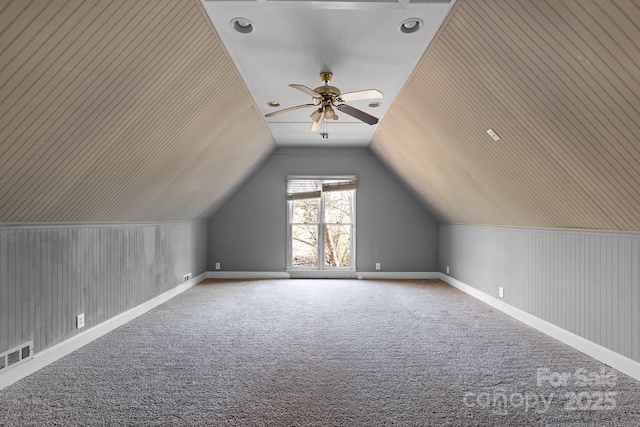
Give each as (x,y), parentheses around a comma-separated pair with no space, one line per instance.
(360,95)
(358,114)
(306,90)
(317,125)
(297,107)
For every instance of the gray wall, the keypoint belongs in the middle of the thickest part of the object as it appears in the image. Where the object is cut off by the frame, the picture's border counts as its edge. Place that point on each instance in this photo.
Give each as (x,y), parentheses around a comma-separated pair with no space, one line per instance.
(249,232)
(48,275)
(587,282)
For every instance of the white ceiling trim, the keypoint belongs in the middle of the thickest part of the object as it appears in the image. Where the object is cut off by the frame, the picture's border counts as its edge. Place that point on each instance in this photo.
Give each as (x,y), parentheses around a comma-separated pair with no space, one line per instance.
(342,5)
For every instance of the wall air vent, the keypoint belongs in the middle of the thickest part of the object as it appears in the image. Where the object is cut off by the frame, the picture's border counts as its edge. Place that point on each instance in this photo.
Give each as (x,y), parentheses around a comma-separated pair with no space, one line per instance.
(16,356)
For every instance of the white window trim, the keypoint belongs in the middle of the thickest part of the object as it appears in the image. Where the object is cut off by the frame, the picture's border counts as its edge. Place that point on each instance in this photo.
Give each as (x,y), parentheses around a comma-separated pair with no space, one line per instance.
(321,266)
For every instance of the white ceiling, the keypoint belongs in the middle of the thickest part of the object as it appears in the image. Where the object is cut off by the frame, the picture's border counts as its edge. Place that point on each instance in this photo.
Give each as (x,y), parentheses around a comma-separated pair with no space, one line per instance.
(360,42)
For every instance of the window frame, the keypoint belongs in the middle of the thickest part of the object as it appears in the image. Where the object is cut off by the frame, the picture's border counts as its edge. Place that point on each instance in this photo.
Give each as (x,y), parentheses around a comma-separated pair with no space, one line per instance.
(320,224)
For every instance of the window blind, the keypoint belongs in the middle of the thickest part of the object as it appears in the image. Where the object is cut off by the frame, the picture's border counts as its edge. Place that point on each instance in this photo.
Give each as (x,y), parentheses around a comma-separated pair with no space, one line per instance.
(303,189)
(339,185)
(300,189)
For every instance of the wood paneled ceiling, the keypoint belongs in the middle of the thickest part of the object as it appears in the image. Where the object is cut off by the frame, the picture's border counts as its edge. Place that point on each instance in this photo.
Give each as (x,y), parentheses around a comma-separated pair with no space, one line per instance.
(120,111)
(559,81)
(127,111)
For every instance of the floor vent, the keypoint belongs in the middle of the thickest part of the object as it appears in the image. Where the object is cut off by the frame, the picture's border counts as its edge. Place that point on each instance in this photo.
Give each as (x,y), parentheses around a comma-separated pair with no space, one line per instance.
(16,356)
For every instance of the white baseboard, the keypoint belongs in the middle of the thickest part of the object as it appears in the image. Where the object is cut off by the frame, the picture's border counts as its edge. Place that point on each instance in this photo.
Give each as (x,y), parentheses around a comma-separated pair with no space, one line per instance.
(399,274)
(50,355)
(321,274)
(615,360)
(247,275)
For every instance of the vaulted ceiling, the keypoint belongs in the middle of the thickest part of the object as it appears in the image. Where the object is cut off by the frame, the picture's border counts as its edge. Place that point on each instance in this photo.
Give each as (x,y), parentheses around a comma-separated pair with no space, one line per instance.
(559,81)
(120,111)
(127,111)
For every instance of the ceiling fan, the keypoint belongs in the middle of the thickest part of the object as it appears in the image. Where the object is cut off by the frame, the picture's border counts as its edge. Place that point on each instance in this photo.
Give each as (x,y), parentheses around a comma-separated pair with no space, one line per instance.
(326,98)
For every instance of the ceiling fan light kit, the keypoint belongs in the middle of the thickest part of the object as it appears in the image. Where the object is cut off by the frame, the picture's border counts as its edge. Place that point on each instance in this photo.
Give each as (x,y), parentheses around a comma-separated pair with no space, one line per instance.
(329,113)
(328,98)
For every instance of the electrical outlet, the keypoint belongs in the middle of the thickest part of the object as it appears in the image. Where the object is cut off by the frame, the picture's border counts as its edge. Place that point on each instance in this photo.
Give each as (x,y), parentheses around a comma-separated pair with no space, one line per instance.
(447,269)
(501,292)
(377,266)
(80,321)
(217,266)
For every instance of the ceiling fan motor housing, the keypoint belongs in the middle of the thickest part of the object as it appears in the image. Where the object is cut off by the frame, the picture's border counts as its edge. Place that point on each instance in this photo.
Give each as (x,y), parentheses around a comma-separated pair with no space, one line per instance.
(328,92)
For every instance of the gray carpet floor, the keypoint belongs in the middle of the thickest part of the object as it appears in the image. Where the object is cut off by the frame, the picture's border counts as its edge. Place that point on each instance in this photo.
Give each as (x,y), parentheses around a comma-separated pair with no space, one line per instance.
(324,353)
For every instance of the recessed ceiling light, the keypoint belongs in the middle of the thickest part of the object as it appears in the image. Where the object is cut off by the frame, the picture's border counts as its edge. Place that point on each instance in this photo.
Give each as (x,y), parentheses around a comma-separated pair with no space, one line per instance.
(273,104)
(375,104)
(242,25)
(411,25)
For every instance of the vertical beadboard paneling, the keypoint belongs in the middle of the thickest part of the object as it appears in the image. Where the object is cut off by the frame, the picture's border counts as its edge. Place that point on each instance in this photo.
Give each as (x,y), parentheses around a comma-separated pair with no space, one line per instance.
(49,275)
(635,300)
(4,291)
(624,315)
(583,281)
(5,277)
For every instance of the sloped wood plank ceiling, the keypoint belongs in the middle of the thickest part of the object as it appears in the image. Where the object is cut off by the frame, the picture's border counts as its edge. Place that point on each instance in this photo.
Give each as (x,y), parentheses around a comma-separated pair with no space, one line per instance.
(126,111)
(119,111)
(559,81)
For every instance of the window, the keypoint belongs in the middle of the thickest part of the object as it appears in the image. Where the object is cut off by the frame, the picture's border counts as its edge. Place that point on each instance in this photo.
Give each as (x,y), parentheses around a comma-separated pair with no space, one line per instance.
(321,223)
